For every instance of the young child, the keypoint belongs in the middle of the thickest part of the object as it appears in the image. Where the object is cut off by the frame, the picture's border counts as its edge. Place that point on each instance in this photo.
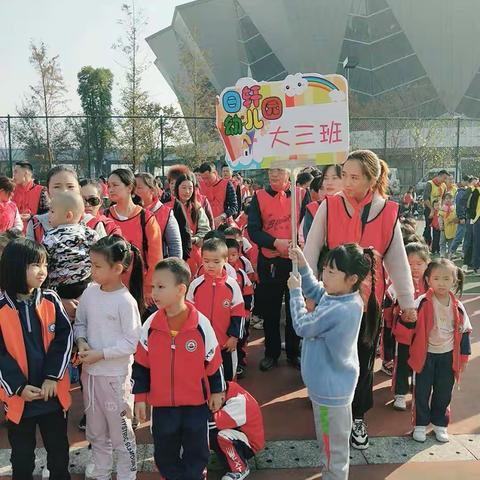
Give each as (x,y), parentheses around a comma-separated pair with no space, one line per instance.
(448,224)
(36,344)
(107,331)
(245,246)
(218,296)
(330,366)
(177,353)
(228,268)
(236,433)
(68,244)
(440,348)
(418,258)
(436,228)
(246,287)
(9,214)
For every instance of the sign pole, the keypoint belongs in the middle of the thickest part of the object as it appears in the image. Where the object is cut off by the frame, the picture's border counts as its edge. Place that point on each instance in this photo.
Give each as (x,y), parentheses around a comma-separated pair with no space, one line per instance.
(293,213)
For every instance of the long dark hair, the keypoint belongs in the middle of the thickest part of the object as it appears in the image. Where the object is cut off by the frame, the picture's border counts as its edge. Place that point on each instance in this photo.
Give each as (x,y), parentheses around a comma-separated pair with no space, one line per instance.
(116,249)
(352,259)
(338,173)
(126,176)
(192,201)
(16,258)
(58,169)
(445,263)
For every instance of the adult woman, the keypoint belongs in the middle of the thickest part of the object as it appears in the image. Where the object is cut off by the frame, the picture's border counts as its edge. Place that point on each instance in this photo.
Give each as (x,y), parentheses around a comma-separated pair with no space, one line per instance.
(138,226)
(59,179)
(185,192)
(147,189)
(329,183)
(91,192)
(362,214)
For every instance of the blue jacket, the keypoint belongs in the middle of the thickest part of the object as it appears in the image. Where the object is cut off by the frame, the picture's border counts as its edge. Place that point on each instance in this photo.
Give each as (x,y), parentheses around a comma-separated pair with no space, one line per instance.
(330,365)
(461,200)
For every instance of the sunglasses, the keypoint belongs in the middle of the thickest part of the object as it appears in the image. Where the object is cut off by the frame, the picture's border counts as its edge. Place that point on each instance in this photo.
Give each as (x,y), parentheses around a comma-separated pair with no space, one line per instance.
(93,201)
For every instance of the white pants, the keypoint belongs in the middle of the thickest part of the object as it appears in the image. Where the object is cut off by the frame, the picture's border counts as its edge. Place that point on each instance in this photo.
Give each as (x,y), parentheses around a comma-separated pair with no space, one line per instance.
(108,405)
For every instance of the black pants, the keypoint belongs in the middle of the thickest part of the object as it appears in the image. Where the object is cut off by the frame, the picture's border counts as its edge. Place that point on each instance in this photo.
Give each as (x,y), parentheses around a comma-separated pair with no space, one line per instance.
(435,240)
(22,438)
(402,370)
(427,233)
(468,245)
(388,342)
(231,449)
(363,398)
(230,363)
(174,428)
(243,344)
(273,274)
(436,380)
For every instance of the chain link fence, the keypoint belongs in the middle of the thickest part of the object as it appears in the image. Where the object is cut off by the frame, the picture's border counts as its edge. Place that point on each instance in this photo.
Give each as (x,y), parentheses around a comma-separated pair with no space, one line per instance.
(413,147)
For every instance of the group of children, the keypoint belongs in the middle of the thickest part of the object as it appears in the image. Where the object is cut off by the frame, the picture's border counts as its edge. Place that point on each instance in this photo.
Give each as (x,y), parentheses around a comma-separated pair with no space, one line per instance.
(185,357)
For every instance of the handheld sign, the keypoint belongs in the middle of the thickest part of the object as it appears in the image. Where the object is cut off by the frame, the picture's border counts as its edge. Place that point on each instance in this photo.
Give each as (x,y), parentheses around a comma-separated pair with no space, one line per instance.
(299,121)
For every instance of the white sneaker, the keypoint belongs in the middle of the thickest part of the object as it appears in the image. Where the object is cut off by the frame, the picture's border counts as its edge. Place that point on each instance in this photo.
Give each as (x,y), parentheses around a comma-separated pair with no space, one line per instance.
(45,473)
(466,269)
(236,475)
(400,403)
(89,469)
(441,434)
(420,434)
(258,325)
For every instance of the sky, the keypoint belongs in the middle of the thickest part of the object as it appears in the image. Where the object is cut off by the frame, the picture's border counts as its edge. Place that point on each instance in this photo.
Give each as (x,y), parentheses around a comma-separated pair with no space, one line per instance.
(81,33)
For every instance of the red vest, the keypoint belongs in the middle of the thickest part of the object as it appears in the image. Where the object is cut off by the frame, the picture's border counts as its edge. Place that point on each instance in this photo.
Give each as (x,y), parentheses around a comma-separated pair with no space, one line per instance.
(276,216)
(312,207)
(377,233)
(27,198)
(217,195)
(162,213)
(110,226)
(8,212)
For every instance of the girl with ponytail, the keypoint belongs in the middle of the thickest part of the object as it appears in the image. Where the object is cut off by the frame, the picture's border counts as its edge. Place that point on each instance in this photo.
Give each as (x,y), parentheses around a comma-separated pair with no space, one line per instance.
(361,213)
(330,365)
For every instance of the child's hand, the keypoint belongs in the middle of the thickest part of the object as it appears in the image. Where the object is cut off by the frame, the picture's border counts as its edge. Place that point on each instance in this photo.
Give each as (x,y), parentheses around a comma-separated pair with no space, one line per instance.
(91,356)
(409,315)
(231,344)
(30,393)
(463,366)
(296,255)
(49,389)
(141,411)
(294,281)
(216,401)
(83,346)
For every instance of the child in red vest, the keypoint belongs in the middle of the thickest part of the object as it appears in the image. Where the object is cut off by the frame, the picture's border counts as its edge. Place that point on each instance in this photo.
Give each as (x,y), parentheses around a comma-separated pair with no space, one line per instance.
(218,296)
(236,433)
(9,215)
(418,258)
(440,348)
(177,371)
(247,292)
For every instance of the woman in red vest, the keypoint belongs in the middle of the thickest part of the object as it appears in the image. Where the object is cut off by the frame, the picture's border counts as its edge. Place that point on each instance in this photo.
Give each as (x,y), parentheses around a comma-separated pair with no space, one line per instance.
(362,214)
(147,189)
(9,214)
(138,226)
(185,192)
(92,195)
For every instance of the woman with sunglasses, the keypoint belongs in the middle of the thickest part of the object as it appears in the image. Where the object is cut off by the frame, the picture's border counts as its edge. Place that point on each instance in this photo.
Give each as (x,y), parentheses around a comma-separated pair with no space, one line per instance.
(94,218)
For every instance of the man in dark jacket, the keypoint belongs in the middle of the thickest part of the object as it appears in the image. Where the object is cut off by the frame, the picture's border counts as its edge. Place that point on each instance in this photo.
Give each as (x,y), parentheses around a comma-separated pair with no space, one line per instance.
(461,200)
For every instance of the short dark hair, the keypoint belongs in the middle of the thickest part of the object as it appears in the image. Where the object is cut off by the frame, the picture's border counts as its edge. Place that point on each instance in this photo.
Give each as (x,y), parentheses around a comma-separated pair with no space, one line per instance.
(17,256)
(24,164)
(420,249)
(232,231)
(443,172)
(304,177)
(215,245)
(178,267)
(214,234)
(6,184)
(232,243)
(316,184)
(467,178)
(206,167)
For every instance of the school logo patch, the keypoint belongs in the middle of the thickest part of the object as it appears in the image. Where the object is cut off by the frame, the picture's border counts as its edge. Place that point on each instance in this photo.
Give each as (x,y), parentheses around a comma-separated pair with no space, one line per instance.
(191,346)
(51,328)
(226,303)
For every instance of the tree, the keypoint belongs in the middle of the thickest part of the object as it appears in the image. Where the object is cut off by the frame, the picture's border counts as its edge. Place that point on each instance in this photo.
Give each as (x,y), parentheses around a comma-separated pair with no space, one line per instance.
(95,91)
(48,95)
(133,98)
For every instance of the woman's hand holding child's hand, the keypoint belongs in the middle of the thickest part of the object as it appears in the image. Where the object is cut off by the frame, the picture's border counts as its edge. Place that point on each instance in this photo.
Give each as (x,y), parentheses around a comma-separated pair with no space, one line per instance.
(216,401)
(231,344)
(30,393)
(91,356)
(296,255)
(294,281)
(49,389)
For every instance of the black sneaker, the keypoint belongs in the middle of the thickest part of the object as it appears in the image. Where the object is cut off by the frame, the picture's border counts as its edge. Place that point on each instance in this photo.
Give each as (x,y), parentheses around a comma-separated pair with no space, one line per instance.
(241,370)
(294,362)
(267,363)
(359,436)
(82,425)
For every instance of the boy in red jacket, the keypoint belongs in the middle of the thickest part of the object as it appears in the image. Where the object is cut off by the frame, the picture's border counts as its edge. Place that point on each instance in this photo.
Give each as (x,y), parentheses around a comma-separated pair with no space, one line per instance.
(236,433)
(177,365)
(219,298)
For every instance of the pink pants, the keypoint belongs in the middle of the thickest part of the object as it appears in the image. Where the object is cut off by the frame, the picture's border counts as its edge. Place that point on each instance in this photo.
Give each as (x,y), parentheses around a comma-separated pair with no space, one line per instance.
(108,405)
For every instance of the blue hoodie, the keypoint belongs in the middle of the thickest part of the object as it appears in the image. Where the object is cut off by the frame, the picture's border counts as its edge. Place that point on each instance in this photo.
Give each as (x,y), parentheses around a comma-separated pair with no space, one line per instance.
(330,365)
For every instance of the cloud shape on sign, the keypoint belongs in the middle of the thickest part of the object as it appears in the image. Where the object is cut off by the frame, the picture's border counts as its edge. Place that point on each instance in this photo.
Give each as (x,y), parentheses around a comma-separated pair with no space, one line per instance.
(294,85)
(337,95)
(245,82)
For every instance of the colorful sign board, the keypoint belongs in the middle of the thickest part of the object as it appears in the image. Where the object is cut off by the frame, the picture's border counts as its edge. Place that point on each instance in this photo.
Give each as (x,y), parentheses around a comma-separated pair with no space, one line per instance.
(301,120)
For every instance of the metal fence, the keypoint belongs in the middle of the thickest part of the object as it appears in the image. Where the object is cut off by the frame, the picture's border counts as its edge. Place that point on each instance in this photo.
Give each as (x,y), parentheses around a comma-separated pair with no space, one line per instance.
(95,145)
